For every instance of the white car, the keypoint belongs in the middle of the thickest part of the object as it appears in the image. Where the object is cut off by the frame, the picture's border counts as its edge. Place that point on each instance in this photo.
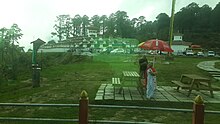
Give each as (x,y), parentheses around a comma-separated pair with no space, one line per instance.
(211,53)
(87,54)
(200,54)
(115,51)
(189,53)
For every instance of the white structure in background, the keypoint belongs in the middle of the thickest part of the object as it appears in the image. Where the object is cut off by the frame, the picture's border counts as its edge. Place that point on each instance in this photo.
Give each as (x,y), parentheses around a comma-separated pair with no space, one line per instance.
(92,32)
(53,50)
(178,37)
(89,32)
(179,46)
(74,44)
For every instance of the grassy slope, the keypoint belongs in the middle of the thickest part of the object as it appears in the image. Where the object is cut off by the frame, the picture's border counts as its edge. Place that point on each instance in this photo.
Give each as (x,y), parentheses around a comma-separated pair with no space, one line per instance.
(63,84)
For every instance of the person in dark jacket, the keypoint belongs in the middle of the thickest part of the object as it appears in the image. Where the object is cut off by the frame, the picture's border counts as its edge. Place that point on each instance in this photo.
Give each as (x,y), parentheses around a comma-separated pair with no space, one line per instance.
(143,62)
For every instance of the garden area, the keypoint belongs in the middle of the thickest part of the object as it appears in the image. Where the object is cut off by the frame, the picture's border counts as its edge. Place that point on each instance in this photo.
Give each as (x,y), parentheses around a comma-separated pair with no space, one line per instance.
(63,81)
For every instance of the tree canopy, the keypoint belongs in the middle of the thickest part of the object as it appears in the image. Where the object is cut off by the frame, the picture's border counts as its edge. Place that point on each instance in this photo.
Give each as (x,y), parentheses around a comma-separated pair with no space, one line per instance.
(193,21)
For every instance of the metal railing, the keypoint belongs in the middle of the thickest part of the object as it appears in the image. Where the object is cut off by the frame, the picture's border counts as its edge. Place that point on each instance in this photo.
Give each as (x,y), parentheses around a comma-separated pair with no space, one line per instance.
(37,105)
(198,111)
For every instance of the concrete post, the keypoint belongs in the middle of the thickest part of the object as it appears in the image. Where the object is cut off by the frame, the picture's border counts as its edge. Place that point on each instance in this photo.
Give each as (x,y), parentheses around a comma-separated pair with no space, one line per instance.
(36,70)
(35,75)
(198,111)
(83,108)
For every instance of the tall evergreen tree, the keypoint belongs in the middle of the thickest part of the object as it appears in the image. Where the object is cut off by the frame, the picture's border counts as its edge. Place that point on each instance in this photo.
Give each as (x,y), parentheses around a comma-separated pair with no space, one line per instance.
(215,18)
(85,23)
(63,27)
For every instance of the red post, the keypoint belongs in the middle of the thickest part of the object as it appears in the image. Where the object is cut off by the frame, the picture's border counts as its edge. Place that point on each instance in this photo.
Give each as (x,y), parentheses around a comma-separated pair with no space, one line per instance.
(198,111)
(83,108)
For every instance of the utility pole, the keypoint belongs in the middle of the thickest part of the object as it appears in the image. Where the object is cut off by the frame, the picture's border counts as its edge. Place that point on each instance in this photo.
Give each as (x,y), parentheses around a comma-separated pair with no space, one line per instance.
(171,22)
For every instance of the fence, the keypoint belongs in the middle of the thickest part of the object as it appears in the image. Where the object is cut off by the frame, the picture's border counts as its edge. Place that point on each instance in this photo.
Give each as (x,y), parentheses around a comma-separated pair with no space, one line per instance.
(197,111)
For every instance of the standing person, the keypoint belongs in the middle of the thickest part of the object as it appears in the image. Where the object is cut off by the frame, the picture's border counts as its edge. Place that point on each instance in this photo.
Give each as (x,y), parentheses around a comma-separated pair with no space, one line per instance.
(151,81)
(143,62)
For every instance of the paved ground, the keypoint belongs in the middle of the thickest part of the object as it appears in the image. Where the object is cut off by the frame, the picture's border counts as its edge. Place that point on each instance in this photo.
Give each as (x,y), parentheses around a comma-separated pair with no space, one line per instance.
(163,93)
(209,66)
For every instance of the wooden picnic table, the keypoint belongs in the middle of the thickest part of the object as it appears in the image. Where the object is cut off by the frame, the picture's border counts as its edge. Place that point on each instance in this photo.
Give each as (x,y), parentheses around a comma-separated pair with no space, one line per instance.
(132,77)
(130,74)
(127,76)
(194,82)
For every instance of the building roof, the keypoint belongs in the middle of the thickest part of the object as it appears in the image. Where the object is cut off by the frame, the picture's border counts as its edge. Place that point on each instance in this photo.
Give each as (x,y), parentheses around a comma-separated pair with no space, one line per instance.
(38,41)
(177,34)
(92,28)
(182,43)
(195,46)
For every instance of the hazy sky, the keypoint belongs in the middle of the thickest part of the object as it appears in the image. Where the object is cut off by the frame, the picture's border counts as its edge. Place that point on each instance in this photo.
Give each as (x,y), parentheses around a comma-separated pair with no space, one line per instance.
(36,17)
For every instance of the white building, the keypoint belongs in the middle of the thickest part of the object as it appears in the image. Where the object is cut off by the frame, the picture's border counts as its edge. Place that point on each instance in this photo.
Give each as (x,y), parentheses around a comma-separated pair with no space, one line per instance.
(178,37)
(92,33)
(178,45)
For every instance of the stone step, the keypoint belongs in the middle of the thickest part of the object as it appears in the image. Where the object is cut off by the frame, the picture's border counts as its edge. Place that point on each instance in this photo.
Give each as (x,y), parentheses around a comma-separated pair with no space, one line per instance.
(214,72)
(216,75)
(217,78)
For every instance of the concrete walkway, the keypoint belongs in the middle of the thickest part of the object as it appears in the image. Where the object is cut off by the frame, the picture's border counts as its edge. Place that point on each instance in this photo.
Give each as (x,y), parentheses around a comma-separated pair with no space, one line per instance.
(210,67)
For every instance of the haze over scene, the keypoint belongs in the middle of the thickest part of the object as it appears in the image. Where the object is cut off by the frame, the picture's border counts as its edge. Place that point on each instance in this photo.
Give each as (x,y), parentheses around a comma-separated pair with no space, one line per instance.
(36,18)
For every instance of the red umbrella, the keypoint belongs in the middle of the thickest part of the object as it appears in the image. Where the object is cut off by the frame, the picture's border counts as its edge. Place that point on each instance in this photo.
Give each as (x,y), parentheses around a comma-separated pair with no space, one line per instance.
(155,44)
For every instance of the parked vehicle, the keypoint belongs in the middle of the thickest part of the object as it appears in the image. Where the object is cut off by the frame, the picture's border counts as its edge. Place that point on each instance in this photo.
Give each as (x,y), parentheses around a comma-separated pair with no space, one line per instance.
(87,54)
(211,53)
(118,51)
(200,54)
(189,53)
(180,53)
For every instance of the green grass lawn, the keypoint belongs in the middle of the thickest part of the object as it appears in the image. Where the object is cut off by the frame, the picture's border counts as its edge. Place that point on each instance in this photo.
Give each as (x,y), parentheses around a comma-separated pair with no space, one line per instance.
(64,83)
(217,65)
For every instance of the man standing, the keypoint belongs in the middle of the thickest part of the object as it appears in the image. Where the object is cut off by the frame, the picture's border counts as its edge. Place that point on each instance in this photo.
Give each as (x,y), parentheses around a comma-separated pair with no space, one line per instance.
(143,62)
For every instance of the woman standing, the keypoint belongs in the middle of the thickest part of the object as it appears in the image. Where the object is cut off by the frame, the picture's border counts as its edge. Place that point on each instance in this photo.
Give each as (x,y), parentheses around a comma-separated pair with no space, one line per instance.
(151,81)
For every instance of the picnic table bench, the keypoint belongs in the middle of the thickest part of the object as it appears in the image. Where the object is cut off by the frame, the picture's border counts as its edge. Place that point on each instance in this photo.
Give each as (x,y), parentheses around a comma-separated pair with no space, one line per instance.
(116,82)
(193,82)
(180,84)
